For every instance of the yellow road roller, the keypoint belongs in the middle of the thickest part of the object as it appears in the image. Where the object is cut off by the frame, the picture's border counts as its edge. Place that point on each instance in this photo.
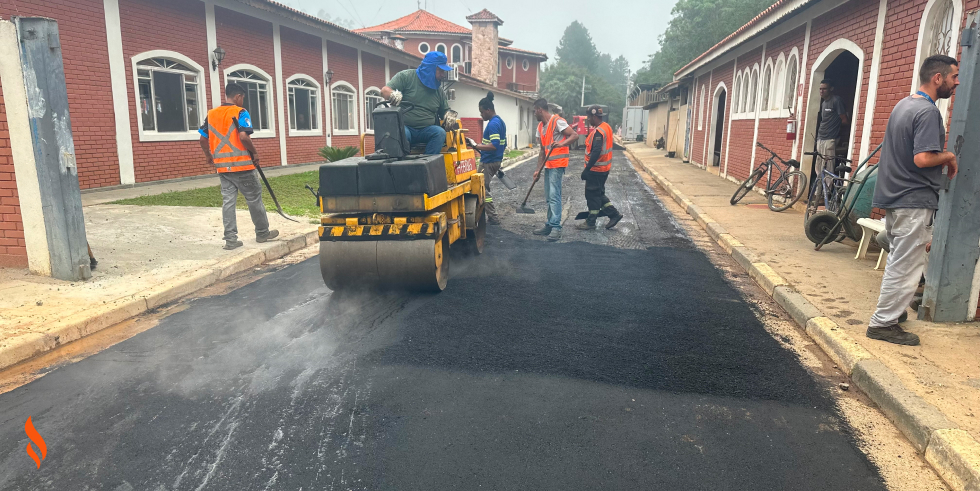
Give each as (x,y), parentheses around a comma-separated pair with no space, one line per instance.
(390,218)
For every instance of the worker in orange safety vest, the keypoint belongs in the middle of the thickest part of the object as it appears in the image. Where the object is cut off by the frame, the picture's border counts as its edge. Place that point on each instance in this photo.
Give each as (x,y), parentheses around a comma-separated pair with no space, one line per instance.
(555,135)
(226,141)
(598,162)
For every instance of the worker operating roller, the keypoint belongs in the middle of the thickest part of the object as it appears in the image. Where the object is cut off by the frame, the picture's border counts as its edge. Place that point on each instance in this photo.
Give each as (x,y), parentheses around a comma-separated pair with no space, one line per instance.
(426,102)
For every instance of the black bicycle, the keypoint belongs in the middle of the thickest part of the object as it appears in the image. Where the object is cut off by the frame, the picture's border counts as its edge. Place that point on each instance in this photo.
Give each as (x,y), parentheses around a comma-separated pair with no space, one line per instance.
(782,193)
(828,188)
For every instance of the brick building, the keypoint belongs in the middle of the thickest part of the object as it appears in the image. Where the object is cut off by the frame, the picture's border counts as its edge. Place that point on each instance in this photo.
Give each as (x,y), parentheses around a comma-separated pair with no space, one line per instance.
(421,32)
(141,75)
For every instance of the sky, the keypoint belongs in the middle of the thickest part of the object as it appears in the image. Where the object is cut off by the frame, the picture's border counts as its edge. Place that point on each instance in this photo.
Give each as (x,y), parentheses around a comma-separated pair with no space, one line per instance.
(618,27)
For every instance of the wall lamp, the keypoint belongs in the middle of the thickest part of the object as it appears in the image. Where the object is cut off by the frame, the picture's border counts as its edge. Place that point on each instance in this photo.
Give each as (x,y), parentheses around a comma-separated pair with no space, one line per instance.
(219,54)
(328,75)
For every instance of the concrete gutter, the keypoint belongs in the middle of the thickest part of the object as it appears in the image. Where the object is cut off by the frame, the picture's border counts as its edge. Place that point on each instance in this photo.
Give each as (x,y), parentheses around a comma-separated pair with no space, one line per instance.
(952,452)
(89,321)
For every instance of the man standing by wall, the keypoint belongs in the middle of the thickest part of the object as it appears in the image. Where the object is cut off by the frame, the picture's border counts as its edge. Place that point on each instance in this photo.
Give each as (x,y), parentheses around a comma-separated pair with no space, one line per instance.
(832,118)
(555,135)
(598,162)
(491,151)
(226,141)
(422,88)
(910,175)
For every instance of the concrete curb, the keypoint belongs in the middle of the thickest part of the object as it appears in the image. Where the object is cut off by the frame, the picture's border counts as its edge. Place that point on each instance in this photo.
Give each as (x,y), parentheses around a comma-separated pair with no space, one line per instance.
(92,320)
(951,452)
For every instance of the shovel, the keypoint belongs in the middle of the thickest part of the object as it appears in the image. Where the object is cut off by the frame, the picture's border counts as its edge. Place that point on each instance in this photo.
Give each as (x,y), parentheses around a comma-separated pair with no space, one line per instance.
(524,208)
(271,194)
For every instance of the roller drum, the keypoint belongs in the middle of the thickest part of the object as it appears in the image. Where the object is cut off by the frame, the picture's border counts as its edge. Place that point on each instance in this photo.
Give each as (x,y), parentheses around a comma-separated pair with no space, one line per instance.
(395,264)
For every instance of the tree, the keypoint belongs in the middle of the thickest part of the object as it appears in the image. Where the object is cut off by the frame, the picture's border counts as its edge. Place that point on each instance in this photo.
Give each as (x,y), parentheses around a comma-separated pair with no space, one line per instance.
(345,23)
(576,47)
(561,84)
(695,26)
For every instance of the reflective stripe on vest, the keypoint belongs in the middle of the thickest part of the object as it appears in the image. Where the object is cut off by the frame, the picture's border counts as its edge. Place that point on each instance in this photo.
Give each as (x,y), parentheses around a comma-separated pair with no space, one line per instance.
(226,146)
(559,155)
(605,157)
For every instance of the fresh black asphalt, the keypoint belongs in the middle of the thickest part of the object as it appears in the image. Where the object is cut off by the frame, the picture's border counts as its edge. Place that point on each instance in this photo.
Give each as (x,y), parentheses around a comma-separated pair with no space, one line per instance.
(568,366)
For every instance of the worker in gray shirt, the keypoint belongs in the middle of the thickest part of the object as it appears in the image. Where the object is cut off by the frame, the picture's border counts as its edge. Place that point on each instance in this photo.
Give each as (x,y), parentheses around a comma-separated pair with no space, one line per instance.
(832,118)
(910,174)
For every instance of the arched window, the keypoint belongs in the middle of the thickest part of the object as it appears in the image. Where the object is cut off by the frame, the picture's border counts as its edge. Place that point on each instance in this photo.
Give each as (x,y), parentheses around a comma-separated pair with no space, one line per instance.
(766,86)
(423,48)
(789,93)
(304,104)
(372,97)
(938,33)
(526,65)
(457,54)
(169,95)
(737,92)
(441,48)
(258,101)
(778,82)
(701,108)
(344,109)
(753,88)
(744,104)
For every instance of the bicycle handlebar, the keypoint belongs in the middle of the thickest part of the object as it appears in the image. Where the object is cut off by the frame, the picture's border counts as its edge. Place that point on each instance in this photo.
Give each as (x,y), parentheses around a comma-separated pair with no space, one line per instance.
(777,157)
(836,158)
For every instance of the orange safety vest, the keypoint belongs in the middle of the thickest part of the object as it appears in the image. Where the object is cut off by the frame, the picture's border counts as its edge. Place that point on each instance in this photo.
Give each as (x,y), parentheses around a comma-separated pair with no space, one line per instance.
(559,156)
(226,146)
(605,157)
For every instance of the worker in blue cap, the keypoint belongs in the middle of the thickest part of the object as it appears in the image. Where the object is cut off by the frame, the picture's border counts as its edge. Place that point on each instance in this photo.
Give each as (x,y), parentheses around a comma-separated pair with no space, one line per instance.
(429,107)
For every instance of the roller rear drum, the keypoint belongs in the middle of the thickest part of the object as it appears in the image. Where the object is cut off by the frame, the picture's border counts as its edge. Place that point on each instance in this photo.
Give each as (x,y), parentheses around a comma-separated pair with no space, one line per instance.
(421,265)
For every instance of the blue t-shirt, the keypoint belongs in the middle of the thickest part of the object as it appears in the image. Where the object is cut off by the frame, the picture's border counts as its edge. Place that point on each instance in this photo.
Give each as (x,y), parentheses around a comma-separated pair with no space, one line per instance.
(243,122)
(494,134)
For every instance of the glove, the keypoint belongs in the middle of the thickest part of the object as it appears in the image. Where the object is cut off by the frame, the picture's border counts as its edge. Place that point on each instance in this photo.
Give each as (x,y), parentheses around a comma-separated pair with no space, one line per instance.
(470,142)
(451,120)
(395,98)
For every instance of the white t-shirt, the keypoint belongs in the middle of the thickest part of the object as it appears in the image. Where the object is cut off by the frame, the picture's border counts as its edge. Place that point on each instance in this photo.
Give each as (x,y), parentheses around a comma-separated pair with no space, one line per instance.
(560,126)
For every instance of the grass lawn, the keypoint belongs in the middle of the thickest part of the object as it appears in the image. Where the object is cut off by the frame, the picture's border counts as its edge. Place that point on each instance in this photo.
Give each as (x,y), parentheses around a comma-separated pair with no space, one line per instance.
(295,199)
(509,154)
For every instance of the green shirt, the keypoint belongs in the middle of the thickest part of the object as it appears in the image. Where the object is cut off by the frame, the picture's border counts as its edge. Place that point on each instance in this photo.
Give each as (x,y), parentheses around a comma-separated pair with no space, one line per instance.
(427,105)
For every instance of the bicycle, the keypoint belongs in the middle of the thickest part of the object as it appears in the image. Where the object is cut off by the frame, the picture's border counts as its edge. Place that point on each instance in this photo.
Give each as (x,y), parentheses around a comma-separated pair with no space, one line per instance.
(789,186)
(830,186)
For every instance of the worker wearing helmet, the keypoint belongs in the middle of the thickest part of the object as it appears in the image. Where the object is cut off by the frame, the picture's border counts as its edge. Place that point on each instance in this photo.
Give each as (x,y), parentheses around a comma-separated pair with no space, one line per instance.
(421,88)
(598,162)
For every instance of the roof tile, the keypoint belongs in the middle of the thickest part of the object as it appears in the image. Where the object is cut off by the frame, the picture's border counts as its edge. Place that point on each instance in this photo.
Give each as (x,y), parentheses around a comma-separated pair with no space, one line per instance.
(420,20)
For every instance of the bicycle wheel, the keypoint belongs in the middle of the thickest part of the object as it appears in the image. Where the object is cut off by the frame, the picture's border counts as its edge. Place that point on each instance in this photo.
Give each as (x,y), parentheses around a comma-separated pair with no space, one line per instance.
(790,188)
(747,185)
(836,199)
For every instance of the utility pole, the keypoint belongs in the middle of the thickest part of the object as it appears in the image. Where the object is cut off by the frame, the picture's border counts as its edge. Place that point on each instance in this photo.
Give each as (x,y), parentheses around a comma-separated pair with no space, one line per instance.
(583,92)
(949,295)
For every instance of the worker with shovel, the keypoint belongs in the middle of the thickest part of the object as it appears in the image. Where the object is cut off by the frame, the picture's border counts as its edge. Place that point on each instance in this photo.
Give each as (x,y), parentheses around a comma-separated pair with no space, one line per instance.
(555,135)
(598,161)
(226,141)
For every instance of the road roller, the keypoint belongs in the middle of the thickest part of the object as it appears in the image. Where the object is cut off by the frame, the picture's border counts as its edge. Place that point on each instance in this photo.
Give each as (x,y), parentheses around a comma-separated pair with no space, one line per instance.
(389,218)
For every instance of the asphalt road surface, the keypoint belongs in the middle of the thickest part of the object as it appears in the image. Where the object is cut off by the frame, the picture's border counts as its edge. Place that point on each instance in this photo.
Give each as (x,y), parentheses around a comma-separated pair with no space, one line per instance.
(615,359)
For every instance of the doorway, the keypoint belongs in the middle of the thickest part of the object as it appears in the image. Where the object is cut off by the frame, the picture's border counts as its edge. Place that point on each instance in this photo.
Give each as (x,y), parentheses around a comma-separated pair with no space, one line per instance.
(840,63)
(717,124)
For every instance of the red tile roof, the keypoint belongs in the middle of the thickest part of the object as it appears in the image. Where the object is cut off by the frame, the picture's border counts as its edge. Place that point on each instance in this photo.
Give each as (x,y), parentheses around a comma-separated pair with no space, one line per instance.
(484,15)
(523,51)
(419,20)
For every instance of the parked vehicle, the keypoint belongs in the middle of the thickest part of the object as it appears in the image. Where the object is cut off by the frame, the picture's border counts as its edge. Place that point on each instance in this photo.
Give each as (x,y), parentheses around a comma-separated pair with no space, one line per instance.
(781,193)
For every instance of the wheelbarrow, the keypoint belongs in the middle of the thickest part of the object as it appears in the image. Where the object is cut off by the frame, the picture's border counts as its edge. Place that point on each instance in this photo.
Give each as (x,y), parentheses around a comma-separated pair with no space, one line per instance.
(824,227)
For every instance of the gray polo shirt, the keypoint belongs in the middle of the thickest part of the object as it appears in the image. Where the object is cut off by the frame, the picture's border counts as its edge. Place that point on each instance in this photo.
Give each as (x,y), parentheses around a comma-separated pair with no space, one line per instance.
(915,126)
(830,112)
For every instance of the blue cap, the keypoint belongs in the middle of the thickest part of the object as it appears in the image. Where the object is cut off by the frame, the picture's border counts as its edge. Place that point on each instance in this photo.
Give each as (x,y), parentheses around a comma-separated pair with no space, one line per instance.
(437,58)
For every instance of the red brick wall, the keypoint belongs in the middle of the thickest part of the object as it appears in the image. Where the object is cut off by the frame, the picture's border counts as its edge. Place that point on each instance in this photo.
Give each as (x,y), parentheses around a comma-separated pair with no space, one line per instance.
(530,77)
(395,67)
(373,72)
(343,62)
(81,25)
(772,130)
(302,54)
(507,74)
(249,40)
(13,251)
(178,26)
(742,140)
(412,45)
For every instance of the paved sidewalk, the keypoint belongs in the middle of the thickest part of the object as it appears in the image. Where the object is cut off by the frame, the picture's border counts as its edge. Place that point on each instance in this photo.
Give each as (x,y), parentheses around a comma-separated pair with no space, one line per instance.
(148,256)
(944,370)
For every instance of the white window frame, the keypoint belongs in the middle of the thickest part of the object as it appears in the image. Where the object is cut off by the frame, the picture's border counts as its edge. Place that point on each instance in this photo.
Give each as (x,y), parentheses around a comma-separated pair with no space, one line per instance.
(499,70)
(269,100)
(704,92)
(736,96)
(333,107)
(778,87)
(791,92)
(926,22)
(754,91)
(444,51)
(319,113)
(526,64)
(202,108)
(427,48)
(369,131)
(765,89)
(510,62)
(743,104)
(462,53)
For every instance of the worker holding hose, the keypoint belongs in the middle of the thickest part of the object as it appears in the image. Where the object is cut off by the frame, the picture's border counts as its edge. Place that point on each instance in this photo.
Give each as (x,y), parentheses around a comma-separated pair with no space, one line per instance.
(598,162)
(491,151)
(421,88)
(226,141)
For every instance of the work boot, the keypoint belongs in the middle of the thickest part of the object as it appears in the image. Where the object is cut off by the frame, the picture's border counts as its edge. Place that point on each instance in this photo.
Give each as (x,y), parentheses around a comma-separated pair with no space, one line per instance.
(267,237)
(614,217)
(233,244)
(588,224)
(546,230)
(893,334)
(555,235)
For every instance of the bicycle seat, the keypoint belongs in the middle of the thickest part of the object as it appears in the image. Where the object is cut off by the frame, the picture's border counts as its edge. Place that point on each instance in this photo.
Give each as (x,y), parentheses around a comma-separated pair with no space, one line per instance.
(842,168)
(793,163)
